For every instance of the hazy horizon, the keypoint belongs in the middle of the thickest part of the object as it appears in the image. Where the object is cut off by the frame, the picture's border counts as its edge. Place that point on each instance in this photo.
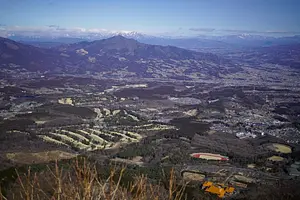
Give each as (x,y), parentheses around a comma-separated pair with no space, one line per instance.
(176,17)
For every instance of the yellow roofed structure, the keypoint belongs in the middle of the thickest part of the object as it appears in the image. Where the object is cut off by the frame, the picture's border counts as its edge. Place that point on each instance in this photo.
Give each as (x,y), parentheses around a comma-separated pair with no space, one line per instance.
(217,189)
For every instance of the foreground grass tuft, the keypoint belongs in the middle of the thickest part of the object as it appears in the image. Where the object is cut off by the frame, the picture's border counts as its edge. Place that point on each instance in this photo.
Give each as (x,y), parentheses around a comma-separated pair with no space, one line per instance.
(82,182)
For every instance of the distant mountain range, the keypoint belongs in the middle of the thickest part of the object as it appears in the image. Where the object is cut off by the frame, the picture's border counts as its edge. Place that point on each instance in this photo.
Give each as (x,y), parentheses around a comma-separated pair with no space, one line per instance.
(114,57)
(284,55)
(208,43)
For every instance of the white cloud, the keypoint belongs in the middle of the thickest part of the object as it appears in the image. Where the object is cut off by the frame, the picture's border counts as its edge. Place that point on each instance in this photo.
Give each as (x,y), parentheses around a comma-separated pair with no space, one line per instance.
(202,29)
(51,30)
(57,31)
(238,31)
(267,32)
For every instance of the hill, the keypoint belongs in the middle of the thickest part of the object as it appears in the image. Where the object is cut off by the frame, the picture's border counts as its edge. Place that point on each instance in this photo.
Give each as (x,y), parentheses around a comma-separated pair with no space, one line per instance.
(15,54)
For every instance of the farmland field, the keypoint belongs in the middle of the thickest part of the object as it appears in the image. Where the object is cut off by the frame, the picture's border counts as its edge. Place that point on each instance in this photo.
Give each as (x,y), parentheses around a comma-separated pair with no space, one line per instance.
(281,148)
(276,158)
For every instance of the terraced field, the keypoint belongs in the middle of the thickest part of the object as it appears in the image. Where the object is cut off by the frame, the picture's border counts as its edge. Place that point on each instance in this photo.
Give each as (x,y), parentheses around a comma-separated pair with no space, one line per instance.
(110,128)
(89,139)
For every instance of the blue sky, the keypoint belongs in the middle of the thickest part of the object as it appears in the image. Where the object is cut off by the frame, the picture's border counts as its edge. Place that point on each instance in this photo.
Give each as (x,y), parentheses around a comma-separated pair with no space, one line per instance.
(151,16)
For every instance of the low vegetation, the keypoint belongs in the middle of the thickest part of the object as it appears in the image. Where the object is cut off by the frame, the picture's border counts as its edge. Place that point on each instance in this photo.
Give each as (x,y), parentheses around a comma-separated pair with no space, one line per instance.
(81,181)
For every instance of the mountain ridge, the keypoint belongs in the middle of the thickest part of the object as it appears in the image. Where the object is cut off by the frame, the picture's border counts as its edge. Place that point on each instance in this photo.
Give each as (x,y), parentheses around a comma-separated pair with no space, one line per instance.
(108,57)
(121,43)
(213,44)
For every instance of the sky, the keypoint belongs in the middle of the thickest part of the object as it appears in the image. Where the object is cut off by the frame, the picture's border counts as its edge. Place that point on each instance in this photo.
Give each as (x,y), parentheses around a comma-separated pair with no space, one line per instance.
(153,16)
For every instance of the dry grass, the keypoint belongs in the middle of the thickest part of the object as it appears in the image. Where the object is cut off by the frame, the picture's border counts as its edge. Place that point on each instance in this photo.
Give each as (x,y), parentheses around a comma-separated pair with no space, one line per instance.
(82,182)
(39,157)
